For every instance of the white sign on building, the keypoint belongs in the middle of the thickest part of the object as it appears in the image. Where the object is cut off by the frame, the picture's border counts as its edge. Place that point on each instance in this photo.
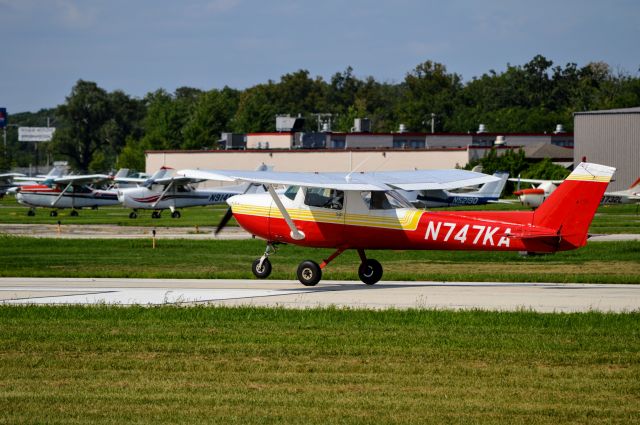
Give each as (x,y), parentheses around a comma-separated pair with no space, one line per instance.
(35,134)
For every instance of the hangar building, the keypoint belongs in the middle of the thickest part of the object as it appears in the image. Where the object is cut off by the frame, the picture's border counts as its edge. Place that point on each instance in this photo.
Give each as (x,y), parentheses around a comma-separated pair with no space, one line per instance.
(610,137)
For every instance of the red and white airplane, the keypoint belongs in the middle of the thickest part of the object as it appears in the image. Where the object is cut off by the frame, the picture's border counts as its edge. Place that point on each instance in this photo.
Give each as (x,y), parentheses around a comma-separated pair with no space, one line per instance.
(363,211)
(165,190)
(535,196)
(70,191)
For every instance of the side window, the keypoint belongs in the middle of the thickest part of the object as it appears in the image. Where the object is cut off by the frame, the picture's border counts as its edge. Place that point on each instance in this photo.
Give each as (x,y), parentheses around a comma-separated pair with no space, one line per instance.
(291,192)
(379,200)
(324,198)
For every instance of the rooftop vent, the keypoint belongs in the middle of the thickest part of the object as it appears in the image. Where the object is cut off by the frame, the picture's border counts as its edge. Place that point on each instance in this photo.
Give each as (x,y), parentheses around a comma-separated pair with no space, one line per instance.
(482,128)
(559,129)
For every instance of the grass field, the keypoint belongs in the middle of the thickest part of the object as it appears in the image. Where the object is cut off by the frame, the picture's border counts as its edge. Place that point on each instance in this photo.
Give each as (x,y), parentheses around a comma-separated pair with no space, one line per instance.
(609,219)
(598,262)
(217,365)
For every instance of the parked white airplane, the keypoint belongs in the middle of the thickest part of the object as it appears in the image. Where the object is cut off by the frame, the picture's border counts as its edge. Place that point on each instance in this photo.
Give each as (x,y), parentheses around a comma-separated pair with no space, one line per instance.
(164,191)
(60,169)
(7,183)
(629,196)
(534,196)
(67,192)
(487,193)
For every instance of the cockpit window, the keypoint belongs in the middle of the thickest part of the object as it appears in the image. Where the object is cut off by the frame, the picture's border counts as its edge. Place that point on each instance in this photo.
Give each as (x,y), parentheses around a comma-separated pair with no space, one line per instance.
(324,198)
(379,200)
(291,192)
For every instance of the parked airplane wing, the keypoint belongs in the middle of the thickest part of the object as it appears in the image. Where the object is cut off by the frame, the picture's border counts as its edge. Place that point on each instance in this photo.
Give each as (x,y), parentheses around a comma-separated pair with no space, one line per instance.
(405,180)
(81,179)
(534,181)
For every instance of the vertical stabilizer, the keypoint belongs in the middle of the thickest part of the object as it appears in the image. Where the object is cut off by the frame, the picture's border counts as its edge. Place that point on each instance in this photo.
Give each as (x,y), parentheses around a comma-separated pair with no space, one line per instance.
(494,189)
(570,208)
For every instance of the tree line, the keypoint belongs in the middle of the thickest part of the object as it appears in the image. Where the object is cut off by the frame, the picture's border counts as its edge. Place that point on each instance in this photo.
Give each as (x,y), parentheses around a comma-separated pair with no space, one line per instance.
(99,130)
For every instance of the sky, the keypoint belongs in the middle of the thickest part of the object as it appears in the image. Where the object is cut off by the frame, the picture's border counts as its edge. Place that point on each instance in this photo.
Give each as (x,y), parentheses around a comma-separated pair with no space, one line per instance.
(139,46)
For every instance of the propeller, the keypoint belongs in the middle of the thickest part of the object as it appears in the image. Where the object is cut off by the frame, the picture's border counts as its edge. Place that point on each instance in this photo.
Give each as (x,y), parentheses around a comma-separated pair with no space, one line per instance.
(225,219)
(228,214)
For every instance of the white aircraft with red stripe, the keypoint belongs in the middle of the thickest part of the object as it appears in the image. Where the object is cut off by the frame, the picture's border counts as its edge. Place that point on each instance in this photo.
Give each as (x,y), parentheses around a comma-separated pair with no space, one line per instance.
(364,211)
(165,190)
(70,191)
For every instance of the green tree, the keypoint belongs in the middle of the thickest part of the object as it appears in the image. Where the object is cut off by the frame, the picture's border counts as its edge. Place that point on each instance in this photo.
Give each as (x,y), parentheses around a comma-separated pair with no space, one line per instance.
(211,116)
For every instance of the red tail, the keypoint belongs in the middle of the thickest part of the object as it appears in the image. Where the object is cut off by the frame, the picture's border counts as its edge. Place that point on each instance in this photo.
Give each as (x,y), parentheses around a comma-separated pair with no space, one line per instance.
(571,207)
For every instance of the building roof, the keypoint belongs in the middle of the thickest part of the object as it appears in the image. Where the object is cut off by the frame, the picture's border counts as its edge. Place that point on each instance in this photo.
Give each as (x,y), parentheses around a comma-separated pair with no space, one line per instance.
(635,110)
(547,150)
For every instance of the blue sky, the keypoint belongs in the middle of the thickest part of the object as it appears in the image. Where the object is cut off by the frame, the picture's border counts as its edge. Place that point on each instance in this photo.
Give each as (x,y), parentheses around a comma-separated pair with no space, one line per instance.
(140,46)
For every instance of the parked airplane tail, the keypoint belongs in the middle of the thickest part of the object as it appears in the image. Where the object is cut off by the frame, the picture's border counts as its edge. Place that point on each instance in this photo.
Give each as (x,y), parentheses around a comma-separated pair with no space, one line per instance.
(569,210)
(494,189)
(635,184)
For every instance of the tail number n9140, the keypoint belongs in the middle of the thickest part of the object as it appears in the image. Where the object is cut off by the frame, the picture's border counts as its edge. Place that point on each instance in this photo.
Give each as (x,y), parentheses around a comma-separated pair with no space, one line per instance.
(474,233)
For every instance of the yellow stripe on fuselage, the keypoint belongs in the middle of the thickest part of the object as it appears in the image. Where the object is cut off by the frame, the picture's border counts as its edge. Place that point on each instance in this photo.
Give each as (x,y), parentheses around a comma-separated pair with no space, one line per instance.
(408,221)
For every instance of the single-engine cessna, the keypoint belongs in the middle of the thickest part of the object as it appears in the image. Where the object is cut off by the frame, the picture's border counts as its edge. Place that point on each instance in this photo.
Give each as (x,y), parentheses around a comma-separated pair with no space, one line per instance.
(70,191)
(535,196)
(364,211)
(628,196)
(164,190)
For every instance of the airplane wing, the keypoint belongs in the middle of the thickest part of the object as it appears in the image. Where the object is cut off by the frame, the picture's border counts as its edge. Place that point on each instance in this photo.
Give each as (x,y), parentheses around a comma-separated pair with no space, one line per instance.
(137,180)
(81,179)
(177,180)
(10,176)
(388,180)
(535,181)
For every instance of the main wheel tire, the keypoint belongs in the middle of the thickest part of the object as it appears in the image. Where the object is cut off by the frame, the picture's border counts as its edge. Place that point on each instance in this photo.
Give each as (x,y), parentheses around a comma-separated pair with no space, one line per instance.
(73,213)
(309,273)
(133,214)
(261,272)
(53,213)
(156,214)
(370,271)
(175,214)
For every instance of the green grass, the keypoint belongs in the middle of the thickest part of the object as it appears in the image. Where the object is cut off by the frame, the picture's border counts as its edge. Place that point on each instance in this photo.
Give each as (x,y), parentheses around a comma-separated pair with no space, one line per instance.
(602,262)
(113,365)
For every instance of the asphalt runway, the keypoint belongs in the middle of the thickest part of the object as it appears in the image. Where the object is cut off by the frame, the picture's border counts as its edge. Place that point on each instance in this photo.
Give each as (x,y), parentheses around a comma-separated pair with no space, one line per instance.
(495,296)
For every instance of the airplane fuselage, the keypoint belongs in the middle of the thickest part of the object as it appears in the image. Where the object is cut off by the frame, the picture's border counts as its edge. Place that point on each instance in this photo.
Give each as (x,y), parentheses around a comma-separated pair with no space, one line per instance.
(355,226)
(49,197)
(144,198)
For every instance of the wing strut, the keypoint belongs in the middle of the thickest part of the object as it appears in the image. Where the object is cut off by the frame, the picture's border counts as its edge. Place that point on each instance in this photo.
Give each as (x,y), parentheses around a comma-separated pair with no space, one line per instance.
(295,233)
(164,192)
(55,201)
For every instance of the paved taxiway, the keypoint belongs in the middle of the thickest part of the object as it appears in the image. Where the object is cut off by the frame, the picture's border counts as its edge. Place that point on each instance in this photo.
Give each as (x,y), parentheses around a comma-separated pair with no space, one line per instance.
(541,297)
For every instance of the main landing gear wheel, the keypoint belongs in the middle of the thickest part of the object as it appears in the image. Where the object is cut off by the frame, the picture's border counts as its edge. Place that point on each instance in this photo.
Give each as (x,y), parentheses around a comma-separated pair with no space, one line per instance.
(175,214)
(309,273)
(133,214)
(156,214)
(370,271)
(53,213)
(261,272)
(73,213)
(31,213)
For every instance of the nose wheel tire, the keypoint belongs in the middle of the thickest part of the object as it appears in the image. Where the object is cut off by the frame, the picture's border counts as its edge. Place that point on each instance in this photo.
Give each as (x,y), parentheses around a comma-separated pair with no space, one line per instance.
(53,213)
(370,271)
(309,273)
(73,213)
(175,214)
(155,214)
(133,214)
(261,272)
(31,213)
